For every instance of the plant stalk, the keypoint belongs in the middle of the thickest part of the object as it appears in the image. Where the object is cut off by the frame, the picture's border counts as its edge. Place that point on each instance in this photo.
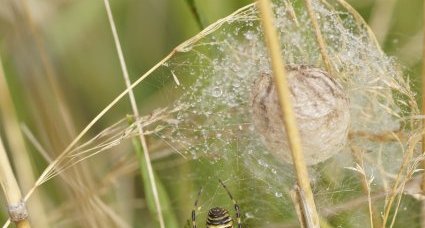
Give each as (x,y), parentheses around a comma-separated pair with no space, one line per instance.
(180,48)
(319,38)
(147,160)
(423,101)
(16,142)
(422,216)
(195,12)
(170,218)
(272,41)
(16,206)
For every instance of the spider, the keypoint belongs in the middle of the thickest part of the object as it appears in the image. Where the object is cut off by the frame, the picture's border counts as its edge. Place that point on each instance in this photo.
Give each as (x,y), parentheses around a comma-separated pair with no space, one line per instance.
(218,217)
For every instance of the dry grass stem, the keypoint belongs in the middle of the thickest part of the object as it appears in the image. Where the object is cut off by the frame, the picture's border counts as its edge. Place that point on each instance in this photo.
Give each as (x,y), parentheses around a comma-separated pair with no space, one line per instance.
(379,83)
(319,38)
(22,163)
(90,194)
(8,181)
(180,48)
(423,121)
(106,139)
(296,201)
(423,101)
(310,212)
(401,178)
(381,18)
(136,113)
(351,205)
(411,170)
(292,13)
(379,137)
(49,70)
(359,20)
(12,192)
(61,115)
(365,182)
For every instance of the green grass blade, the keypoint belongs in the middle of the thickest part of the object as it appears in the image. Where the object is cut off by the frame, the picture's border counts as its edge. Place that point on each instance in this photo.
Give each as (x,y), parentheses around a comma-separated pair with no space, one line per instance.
(170,218)
(195,12)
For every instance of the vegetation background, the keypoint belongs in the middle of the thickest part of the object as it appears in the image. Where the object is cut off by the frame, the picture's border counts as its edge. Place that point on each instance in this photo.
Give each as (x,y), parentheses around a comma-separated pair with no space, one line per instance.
(62,69)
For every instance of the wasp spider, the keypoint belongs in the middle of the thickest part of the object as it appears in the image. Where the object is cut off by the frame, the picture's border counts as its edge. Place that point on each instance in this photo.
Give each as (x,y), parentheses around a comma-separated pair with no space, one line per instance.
(218,217)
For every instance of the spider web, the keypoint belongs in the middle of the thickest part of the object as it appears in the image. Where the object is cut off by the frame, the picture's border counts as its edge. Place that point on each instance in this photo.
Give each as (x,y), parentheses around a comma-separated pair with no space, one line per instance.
(207,124)
(214,125)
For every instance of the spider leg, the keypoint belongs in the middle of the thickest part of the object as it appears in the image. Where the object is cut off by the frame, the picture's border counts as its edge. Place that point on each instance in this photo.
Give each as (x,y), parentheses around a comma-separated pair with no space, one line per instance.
(236,206)
(194,209)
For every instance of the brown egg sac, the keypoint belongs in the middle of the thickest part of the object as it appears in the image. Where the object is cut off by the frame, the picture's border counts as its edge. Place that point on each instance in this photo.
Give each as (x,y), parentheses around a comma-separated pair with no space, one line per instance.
(321,108)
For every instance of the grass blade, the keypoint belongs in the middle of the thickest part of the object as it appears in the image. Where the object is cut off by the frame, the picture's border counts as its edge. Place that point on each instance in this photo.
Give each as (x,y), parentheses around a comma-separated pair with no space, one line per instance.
(169,217)
(294,140)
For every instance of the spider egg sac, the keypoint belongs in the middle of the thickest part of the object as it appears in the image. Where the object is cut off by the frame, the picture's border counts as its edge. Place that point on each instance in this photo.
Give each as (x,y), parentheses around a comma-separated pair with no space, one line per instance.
(321,108)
